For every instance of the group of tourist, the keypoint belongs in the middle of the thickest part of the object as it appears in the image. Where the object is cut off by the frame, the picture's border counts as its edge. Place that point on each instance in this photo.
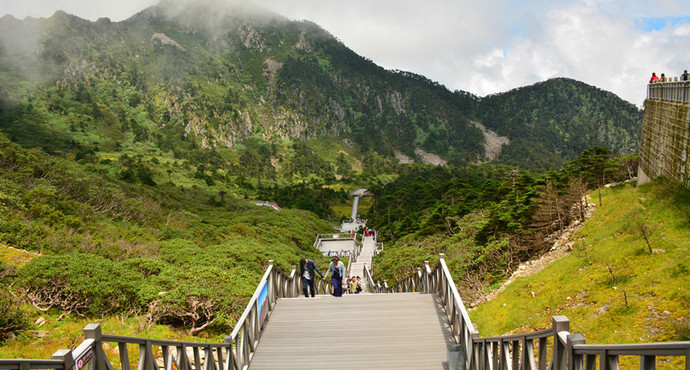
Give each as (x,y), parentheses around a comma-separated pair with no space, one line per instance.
(308,268)
(684,77)
(369,232)
(336,269)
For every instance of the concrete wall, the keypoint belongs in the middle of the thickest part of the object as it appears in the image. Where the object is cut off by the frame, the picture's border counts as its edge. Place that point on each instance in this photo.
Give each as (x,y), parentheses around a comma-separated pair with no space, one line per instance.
(665,142)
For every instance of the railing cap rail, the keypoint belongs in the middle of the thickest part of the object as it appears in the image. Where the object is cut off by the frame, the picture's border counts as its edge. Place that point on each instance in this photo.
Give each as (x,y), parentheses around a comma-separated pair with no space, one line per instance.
(252,301)
(16,364)
(454,291)
(639,349)
(531,335)
(164,342)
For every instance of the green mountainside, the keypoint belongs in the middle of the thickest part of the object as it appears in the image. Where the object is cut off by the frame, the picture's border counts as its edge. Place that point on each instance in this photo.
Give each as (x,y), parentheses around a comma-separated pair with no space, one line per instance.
(200,80)
(486,219)
(566,116)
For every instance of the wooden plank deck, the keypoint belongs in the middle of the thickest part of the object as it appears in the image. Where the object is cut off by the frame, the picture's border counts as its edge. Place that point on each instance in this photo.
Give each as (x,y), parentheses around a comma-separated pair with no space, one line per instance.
(356,331)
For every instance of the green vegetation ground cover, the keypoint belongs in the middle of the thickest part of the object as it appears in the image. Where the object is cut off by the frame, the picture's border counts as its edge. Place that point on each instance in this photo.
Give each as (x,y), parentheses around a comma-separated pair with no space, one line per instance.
(165,254)
(610,286)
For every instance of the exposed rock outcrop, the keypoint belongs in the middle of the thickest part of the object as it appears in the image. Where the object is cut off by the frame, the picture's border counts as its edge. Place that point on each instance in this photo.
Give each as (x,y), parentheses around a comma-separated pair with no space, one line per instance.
(165,40)
(493,143)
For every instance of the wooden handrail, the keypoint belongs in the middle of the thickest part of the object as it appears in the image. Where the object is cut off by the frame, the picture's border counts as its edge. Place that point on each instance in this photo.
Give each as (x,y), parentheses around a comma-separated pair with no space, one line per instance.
(235,353)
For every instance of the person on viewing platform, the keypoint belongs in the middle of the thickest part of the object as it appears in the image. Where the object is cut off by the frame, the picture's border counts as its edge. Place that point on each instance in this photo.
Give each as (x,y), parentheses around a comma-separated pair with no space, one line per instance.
(654,79)
(685,76)
(337,271)
(663,78)
(306,270)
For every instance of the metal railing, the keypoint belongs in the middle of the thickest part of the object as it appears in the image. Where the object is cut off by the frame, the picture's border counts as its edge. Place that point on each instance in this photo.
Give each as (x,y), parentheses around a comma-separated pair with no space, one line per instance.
(555,348)
(235,353)
(678,92)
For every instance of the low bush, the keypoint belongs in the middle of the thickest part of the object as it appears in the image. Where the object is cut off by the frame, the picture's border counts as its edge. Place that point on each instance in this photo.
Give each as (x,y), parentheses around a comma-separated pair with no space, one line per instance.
(12,317)
(79,283)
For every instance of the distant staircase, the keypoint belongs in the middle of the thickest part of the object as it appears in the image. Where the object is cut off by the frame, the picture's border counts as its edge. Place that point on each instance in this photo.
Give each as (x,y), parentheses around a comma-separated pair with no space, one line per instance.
(363,258)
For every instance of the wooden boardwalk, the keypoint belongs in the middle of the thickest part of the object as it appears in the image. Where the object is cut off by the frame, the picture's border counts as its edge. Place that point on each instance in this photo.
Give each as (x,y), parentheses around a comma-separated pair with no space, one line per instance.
(356,331)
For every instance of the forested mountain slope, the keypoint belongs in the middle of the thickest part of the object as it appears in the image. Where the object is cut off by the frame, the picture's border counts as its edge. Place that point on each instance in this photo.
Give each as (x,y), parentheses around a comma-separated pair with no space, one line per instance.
(198,80)
(566,116)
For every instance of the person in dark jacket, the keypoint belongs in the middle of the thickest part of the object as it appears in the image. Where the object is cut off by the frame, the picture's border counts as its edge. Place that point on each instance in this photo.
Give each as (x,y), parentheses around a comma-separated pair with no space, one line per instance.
(306,271)
(685,76)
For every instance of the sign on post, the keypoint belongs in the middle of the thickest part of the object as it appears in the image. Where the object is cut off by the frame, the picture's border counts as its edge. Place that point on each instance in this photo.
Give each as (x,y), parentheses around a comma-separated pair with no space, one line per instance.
(84,359)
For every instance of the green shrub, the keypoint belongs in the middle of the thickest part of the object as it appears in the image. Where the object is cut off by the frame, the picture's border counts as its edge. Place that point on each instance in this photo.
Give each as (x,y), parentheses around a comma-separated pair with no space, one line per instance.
(12,318)
(80,283)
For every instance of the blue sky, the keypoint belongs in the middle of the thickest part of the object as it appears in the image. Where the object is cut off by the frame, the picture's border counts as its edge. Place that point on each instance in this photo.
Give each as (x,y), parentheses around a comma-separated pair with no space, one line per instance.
(660,23)
(484,47)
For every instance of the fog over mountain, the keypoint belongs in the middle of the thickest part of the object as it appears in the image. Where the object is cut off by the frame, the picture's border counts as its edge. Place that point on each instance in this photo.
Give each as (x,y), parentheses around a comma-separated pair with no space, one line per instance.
(484,47)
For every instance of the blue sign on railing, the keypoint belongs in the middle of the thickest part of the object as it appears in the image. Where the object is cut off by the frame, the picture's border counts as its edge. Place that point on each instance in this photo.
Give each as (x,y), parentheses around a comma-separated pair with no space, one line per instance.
(262,303)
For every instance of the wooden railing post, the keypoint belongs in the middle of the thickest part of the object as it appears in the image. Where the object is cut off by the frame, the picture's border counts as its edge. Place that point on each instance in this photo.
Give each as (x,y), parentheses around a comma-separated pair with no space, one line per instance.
(291,284)
(575,362)
(64,355)
(560,324)
(648,363)
(93,331)
(419,279)
(230,355)
(427,288)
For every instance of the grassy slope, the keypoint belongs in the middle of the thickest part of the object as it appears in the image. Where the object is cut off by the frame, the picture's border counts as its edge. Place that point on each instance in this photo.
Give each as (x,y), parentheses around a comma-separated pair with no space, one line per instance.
(657,285)
(67,333)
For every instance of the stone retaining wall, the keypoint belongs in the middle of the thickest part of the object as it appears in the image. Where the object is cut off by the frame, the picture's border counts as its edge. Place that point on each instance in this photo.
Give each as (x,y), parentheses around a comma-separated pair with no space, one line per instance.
(665,142)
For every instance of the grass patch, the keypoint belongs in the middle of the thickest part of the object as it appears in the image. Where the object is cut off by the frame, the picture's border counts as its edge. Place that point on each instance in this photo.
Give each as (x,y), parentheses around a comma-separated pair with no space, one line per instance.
(15,257)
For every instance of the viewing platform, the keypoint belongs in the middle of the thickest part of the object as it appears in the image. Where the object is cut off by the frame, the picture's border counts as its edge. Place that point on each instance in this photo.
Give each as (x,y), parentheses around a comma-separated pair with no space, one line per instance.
(674,91)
